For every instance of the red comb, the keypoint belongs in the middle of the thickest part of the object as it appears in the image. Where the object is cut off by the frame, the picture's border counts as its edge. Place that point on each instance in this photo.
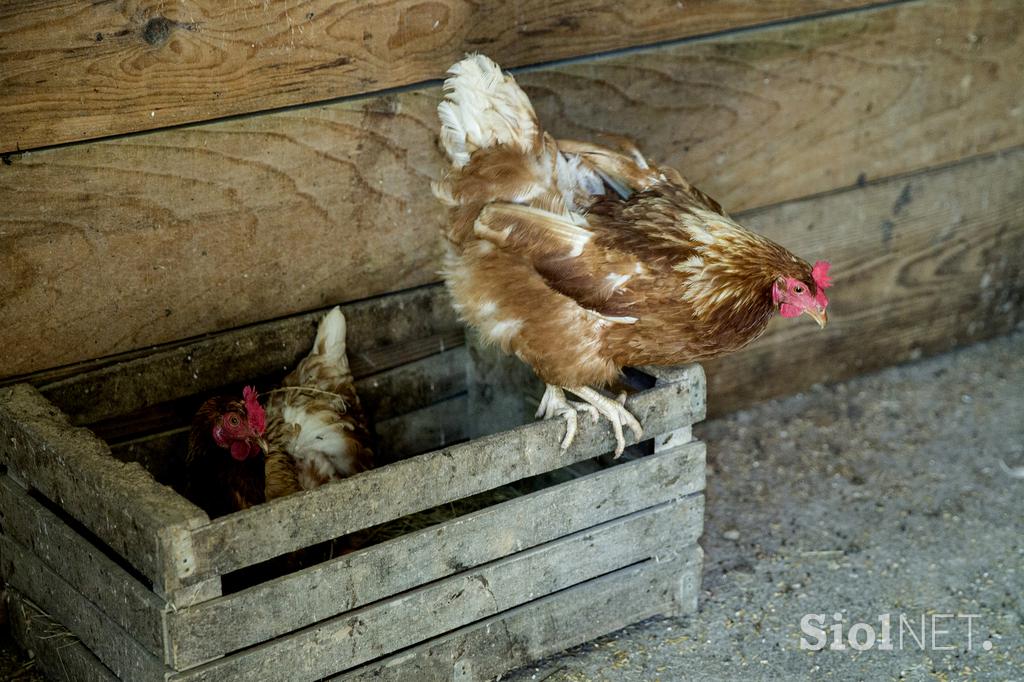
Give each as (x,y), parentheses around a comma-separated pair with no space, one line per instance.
(820,274)
(257,417)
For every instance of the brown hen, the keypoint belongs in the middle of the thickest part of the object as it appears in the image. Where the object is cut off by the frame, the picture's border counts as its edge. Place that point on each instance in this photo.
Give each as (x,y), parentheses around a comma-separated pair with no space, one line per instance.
(312,430)
(582,260)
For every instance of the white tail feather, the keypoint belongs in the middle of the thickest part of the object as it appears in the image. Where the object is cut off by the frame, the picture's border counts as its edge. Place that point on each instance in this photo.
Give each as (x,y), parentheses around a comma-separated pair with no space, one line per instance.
(483,108)
(330,339)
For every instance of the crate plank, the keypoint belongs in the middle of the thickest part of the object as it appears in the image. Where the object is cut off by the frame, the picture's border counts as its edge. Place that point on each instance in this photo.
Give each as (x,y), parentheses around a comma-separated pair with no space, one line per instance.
(541,628)
(146,523)
(387,394)
(79,70)
(300,520)
(351,581)
(422,430)
(382,335)
(88,571)
(112,645)
(381,628)
(504,391)
(414,385)
(146,225)
(58,653)
(933,262)
(159,453)
(430,428)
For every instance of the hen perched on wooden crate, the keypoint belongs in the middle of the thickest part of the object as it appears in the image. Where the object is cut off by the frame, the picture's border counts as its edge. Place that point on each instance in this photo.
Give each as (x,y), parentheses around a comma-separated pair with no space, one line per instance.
(582,260)
(311,431)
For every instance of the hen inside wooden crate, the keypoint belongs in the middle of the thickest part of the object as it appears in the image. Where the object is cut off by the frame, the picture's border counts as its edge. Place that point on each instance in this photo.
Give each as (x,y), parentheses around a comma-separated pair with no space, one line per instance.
(423,382)
(506,529)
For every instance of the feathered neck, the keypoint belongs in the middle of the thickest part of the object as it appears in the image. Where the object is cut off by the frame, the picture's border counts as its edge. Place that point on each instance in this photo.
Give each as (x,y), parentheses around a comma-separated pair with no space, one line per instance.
(733,269)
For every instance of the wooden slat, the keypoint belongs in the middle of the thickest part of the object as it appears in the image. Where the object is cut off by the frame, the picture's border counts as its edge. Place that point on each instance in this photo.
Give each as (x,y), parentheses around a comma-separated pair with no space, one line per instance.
(58,653)
(431,428)
(146,523)
(88,571)
(384,627)
(75,70)
(504,392)
(544,627)
(383,333)
(111,644)
(181,232)
(207,630)
(159,453)
(414,385)
(374,347)
(922,264)
(300,520)
(385,395)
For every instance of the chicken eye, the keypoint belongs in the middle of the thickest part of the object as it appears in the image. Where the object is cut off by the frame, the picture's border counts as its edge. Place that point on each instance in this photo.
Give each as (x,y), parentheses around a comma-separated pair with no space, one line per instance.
(798,289)
(233,420)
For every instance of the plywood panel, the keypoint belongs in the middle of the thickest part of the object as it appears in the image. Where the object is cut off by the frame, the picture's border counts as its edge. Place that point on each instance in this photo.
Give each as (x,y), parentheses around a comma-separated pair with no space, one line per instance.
(75,70)
(116,245)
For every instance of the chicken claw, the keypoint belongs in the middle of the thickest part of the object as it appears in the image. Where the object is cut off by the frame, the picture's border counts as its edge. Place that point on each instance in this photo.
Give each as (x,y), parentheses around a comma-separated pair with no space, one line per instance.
(615,412)
(554,404)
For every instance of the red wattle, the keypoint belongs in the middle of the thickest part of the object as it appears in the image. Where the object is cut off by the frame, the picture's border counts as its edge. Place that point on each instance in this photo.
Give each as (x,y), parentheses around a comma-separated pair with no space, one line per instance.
(789,310)
(241,450)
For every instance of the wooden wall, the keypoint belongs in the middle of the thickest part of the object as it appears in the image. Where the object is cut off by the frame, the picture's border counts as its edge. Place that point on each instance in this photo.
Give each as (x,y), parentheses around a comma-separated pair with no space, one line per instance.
(887,137)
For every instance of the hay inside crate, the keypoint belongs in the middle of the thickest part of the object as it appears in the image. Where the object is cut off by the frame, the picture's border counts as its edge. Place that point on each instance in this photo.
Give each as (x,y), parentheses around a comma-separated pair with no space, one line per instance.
(570,548)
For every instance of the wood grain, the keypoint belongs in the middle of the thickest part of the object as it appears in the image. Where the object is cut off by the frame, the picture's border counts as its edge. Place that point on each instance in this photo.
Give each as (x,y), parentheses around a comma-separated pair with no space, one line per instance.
(115,647)
(122,244)
(214,231)
(542,627)
(88,571)
(922,264)
(119,502)
(207,630)
(58,653)
(379,629)
(75,70)
(430,428)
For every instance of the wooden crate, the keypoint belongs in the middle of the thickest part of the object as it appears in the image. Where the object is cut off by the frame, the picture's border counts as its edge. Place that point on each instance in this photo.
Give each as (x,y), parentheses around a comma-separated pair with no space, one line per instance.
(92,542)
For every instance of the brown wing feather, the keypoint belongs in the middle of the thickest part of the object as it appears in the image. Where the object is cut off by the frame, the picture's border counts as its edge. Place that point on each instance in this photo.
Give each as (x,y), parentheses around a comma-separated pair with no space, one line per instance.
(631,170)
(279,467)
(612,265)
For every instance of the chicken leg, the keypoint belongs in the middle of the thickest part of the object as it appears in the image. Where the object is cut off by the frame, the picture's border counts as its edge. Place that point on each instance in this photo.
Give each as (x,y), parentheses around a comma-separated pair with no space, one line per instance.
(554,403)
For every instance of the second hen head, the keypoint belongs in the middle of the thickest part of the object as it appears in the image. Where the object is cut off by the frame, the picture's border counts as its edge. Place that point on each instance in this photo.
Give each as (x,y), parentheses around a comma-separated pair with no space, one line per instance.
(233,425)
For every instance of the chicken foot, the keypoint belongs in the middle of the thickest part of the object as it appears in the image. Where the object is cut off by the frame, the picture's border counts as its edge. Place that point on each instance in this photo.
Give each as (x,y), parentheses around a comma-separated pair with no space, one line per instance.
(554,403)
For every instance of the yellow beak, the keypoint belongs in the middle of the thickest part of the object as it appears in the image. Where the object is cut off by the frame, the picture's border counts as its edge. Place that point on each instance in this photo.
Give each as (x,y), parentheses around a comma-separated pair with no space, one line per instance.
(819,316)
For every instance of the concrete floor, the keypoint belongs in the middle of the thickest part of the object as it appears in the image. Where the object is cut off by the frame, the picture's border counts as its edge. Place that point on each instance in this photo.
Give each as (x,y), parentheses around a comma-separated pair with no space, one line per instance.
(883,495)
